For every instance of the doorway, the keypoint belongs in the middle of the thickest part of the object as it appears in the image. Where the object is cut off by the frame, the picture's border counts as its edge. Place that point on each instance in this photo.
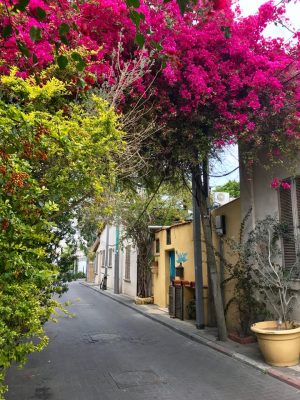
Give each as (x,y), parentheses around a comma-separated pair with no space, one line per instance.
(169,272)
(172,265)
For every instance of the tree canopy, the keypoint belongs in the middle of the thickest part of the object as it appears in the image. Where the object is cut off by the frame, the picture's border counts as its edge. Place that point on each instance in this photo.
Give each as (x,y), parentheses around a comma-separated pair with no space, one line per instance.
(218,79)
(231,187)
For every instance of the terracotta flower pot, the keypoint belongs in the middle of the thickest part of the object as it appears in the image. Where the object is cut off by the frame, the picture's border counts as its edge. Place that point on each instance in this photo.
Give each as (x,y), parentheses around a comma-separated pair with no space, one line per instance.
(280,348)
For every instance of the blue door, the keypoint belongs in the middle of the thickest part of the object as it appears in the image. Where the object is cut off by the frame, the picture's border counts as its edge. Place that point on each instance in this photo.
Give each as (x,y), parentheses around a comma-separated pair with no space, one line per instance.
(172,264)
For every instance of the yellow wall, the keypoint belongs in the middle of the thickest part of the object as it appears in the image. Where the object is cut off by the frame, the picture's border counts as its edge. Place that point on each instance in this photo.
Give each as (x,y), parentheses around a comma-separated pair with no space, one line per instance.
(232,212)
(182,242)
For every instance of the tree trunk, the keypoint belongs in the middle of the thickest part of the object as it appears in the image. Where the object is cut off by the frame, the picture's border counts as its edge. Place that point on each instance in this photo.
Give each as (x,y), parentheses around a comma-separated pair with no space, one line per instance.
(143,273)
(211,262)
(214,277)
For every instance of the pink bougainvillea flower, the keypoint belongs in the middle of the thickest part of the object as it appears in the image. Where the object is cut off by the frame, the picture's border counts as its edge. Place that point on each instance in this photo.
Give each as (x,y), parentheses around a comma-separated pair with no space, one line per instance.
(210,68)
(276,152)
(275,183)
(285,185)
(221,4)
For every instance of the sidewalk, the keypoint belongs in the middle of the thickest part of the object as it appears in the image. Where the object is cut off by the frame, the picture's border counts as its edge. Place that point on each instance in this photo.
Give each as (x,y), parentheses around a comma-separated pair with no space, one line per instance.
(248,354)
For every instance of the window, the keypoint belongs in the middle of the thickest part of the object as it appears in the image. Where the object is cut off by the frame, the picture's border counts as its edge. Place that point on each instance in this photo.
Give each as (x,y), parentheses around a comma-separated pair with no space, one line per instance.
(96,260)
(157,246)
(169,236)
(127,263)
(110,255)
(289,204)
(103,258)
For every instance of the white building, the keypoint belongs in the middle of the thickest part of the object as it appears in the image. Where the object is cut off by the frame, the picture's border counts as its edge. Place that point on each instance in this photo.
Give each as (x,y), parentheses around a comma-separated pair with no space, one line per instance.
(81,262)
(283,204)
(105,248)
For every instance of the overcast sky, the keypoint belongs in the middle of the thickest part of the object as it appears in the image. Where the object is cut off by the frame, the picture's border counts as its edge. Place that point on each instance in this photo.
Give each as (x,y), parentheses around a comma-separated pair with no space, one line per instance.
(229,159)
(293,13)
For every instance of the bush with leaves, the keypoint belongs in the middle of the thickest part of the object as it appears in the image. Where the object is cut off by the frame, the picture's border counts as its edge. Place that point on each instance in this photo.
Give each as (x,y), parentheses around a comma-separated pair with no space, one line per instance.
(55,153)
(240,273)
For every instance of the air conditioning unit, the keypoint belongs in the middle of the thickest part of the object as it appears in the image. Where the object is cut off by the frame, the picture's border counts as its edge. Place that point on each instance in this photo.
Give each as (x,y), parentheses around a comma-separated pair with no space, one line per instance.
(221,198)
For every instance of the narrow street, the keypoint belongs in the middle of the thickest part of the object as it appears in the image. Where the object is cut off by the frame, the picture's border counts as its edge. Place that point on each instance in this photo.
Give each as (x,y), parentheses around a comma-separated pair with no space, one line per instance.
(110,352)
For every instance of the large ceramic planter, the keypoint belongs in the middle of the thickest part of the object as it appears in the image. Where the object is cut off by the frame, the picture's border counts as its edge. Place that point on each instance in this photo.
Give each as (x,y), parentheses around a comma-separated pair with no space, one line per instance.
(280,348)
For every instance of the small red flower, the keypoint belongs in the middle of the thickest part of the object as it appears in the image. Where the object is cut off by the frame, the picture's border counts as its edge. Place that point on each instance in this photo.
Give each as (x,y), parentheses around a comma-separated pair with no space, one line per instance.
(4,224)
(89,79)
(275,183)
(285,185)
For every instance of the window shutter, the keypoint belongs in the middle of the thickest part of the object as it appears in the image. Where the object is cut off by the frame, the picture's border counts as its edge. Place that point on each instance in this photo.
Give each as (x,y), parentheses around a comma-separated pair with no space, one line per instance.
(297,180)
(286,217)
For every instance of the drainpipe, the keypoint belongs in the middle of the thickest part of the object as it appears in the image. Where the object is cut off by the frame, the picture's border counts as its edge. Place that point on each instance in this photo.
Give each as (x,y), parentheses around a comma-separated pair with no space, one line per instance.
(117,263)
(197,251)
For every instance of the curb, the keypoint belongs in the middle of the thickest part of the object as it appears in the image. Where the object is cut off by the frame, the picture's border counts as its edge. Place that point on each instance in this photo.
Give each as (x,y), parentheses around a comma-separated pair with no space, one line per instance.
(290,380)
(281,376)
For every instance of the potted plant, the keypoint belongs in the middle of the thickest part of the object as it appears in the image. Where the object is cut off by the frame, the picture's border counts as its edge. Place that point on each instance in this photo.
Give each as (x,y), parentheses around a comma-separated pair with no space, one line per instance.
(181,258)
(279,340)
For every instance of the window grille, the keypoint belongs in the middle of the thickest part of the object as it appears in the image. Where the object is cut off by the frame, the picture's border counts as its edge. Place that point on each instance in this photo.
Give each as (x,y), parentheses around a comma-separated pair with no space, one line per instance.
(127,263)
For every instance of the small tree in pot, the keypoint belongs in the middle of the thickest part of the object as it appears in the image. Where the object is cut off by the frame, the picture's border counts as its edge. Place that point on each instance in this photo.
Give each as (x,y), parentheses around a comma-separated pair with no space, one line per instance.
(272,277)
(279,340)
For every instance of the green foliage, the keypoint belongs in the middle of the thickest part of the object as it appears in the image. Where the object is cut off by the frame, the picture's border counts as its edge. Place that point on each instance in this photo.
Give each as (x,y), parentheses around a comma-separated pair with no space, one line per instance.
(35,33)
(250,308)
(231,187)
(55,154)
(79,275)
(271,274)
(162,204)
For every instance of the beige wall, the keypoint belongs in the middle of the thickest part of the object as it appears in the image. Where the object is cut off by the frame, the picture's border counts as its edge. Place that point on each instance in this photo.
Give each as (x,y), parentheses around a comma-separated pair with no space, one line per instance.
(90,275)
(232,213)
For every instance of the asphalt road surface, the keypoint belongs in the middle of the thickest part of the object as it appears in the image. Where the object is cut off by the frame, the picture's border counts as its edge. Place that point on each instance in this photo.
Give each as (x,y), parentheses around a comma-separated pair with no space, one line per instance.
(110,352)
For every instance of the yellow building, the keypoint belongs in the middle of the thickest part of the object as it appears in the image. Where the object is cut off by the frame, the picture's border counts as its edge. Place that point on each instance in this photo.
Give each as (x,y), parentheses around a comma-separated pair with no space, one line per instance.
(171,243)
(176,242)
